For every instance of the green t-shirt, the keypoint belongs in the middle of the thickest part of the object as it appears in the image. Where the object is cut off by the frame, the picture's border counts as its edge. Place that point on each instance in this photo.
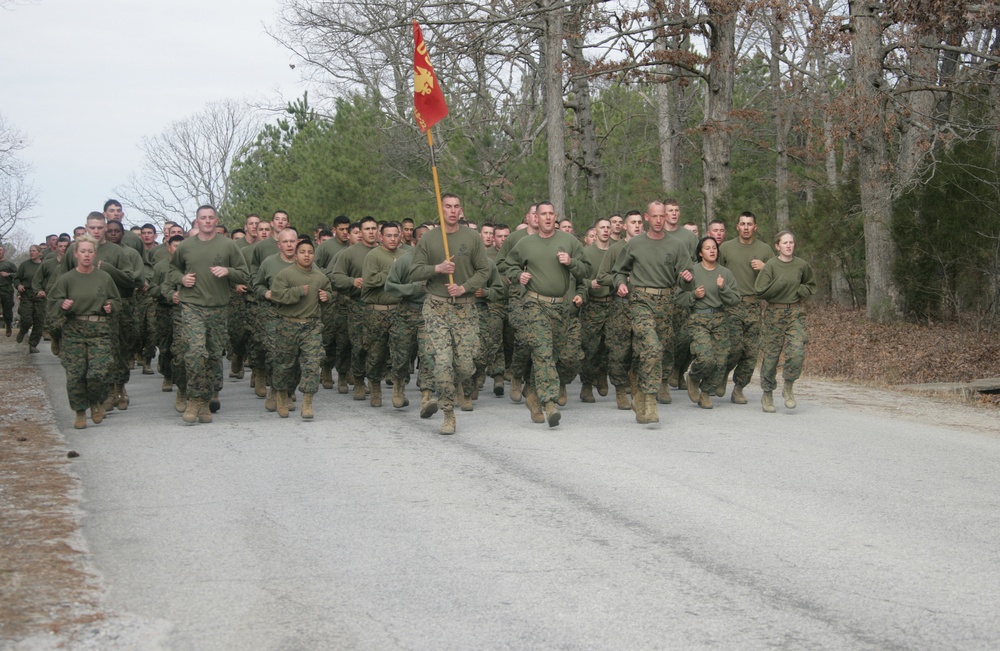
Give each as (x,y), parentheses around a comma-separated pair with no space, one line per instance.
(399,283)
(538,256)
(294,302)
(375,271)
(714,297)
(651,263)
(596,256)
(737,258)
(785,282)
(326,251)
(347,266)
(197,256)
(47,275)
(267,272)
(7,282)
(89,293)
(687,238)
(26,274)
(472,266)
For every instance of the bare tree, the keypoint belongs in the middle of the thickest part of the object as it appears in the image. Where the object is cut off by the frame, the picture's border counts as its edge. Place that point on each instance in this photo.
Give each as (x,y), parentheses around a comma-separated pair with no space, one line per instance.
(17,194)
(189,163)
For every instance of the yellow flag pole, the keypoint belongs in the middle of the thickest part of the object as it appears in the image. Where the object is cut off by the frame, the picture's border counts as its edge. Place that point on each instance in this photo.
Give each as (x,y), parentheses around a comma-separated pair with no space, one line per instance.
(437,194)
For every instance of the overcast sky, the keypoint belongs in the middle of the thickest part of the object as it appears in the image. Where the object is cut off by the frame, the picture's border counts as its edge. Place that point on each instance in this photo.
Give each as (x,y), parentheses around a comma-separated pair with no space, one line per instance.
(87,79)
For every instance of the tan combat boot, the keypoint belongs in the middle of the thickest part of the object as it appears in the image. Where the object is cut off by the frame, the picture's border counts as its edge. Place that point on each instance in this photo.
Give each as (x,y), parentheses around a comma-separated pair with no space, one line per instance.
(146,370)
(237,370)
(621,398)
(204,413)
(112,399)
(54,347)
(167,385)
(681,382)
(191,412)
(81,420)
(602,384)
(552,414)
(587,393)
(737,397)
(376,387)
(705,401)
(563,398)
(449,424)
(464,401)
(663,395)
(399,396)
(672,380)
(720,391)
(652,413)
(787,394)
(534,404)
(271,402)
(180,401)
(428,404)
(97,413)
(122,398)
(260,383)
(281,403)
(693,388)
(326,377)
(360,391)
(515,390)
(342,383)
(767,402)
(307,406)
(639,407)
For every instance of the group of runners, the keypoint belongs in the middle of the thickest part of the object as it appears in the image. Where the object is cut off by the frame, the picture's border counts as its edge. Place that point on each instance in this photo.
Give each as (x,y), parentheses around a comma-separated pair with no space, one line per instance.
(640,305)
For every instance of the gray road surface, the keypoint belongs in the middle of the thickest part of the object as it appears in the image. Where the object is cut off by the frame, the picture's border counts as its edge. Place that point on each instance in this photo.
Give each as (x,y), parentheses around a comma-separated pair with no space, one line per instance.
(826,528)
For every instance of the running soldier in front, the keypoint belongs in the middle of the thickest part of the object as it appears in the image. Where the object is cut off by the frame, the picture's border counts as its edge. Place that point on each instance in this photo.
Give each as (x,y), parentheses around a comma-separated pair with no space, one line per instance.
(85,297)
(205,266)
(299,290)
(653,262)
(545,264)
(449,310)
(783,283)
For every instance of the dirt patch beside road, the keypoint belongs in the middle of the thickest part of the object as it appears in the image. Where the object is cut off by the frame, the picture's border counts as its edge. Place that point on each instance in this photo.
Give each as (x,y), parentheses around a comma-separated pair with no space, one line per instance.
(45,588)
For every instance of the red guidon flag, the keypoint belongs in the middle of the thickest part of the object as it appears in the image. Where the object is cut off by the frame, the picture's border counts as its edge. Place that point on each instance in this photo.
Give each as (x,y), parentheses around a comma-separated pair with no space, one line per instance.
(428,100)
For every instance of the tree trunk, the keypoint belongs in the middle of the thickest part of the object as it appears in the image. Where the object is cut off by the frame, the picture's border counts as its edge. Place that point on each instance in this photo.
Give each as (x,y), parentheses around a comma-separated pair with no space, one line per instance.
(870,130)
(781,175)
(716,148)
(554,120)
(588,159)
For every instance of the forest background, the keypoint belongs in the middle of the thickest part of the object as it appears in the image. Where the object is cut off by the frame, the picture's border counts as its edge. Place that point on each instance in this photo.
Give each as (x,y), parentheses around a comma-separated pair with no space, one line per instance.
(868,128)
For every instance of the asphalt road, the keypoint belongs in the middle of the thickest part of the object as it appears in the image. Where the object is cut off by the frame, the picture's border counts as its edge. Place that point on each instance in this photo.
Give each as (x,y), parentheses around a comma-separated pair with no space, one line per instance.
(826,528)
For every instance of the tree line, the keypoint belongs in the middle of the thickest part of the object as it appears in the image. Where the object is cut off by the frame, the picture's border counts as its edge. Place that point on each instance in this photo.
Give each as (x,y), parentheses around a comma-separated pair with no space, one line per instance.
(870,128)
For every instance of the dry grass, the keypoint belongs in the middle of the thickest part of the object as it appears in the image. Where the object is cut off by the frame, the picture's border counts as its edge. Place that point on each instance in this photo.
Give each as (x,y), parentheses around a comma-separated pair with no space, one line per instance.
(843,344)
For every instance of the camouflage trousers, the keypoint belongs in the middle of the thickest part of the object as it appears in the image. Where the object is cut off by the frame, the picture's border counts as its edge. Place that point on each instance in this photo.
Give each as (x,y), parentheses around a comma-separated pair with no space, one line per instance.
(7,306)
(178,372)
(238,322)
(452,345)
(682,341)
(490,362)
(618,339)
(378,325)
(32,313)
(150,326)
(520,359)
(652,337)
(258,313)
(336,341)
(594,316)
(782,328)
(269,340)
(744,341)
(553,337)
(298,354)
(356,333)
(123,328)
(709,348)
(86,356)
(203,333)
(410,337)
(163,337)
